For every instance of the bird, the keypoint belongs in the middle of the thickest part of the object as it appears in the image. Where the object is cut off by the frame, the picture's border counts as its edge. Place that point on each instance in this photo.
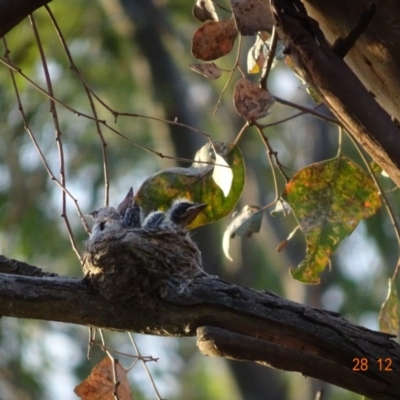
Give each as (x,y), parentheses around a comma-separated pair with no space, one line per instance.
(130,211)
(109,219)
(106,220)
(180,215)
(129,264)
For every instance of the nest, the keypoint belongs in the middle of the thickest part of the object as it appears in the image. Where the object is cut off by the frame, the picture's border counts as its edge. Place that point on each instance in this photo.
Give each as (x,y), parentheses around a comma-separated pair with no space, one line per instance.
(133,263)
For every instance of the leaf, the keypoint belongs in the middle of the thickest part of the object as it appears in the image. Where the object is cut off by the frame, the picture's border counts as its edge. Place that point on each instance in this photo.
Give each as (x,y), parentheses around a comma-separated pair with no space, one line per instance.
(250,101)
(328,199)
(244,224)
(222,175)
(210,71)
(196,183)
(281,207)
(204,10)
(99,385)
(389,314)
(214,39)
(257,54)
(252,16)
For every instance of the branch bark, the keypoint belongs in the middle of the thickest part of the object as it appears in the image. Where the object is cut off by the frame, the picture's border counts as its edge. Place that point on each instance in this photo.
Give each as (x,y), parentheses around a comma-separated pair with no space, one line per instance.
(230,321)
(343,93)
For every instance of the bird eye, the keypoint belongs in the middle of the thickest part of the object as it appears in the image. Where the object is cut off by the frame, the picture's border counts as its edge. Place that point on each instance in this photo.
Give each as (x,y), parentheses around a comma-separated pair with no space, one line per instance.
(102,225)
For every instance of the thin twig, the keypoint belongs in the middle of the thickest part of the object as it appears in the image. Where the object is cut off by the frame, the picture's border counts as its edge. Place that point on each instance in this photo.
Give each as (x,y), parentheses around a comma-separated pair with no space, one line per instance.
(113,361)
(270,59)
(36,144)
(145,366)
(240,134)
(92,337)
(384,198)
(74,68)
(104,122)
(56,122)
(235,66)
(271,152)
(281,121)
(307,110)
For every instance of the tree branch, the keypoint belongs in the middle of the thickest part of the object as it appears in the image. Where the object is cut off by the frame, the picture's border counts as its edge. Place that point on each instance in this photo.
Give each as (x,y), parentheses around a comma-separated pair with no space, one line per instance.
(14,11)
(341,90)
(230,321)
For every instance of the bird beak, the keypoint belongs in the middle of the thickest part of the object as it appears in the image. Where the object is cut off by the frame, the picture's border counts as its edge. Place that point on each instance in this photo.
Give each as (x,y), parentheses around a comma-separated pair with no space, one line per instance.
(192,212)
(128,201)
(93,214)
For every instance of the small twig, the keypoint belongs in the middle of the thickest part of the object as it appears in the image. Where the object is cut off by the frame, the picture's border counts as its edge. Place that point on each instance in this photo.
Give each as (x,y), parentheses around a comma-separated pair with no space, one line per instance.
(38,149)
(104,122)
(235,66)
(307,110)
(281,121)
(384,198)
(145,366)
(74,68)
(270,153)
(240,134)
(143,358)
(56,122)
(92,337)
(113,361)
(270,59)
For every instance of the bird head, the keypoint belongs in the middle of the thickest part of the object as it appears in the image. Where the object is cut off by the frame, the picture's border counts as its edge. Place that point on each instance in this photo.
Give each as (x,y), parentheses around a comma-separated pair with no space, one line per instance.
(126,203)
(130,211)
(183,212)
(106,220)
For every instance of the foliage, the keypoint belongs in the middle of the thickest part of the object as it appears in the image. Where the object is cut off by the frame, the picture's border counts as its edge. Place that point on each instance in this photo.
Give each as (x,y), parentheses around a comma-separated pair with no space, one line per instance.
(122,134)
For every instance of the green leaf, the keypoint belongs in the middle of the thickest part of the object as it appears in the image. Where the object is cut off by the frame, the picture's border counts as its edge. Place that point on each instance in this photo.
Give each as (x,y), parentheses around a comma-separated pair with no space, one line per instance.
(222,175)
(389,314)
(196,184)
(328,199)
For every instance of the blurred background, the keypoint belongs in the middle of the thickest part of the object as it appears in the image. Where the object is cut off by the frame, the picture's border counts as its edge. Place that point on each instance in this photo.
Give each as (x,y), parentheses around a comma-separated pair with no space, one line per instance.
(135,56)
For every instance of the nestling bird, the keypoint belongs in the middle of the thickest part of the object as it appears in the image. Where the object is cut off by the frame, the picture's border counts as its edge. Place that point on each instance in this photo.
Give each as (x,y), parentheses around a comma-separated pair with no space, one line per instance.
(126,263)
(106,221)
(110,219)
(130,211)
(181,214)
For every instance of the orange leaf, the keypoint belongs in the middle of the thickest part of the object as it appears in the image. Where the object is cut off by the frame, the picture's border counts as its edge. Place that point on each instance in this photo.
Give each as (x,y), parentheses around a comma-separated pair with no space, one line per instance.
(100,385)
(214,39)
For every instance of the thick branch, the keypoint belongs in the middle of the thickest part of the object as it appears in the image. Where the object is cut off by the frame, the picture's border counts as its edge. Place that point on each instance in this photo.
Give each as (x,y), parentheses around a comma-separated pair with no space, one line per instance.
(253,326)
(342,91)
(12,12)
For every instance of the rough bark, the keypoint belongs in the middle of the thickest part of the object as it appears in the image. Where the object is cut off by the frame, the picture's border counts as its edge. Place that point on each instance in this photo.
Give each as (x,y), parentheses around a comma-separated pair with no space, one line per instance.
(344,94)
(374,57)
(229,320)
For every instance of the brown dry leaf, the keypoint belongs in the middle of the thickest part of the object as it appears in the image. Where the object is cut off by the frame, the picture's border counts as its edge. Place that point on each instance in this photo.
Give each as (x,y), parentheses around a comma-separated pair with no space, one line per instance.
(99,385)
(252,16)
(214,39)
(210,71)
(204,10)
(250,101)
